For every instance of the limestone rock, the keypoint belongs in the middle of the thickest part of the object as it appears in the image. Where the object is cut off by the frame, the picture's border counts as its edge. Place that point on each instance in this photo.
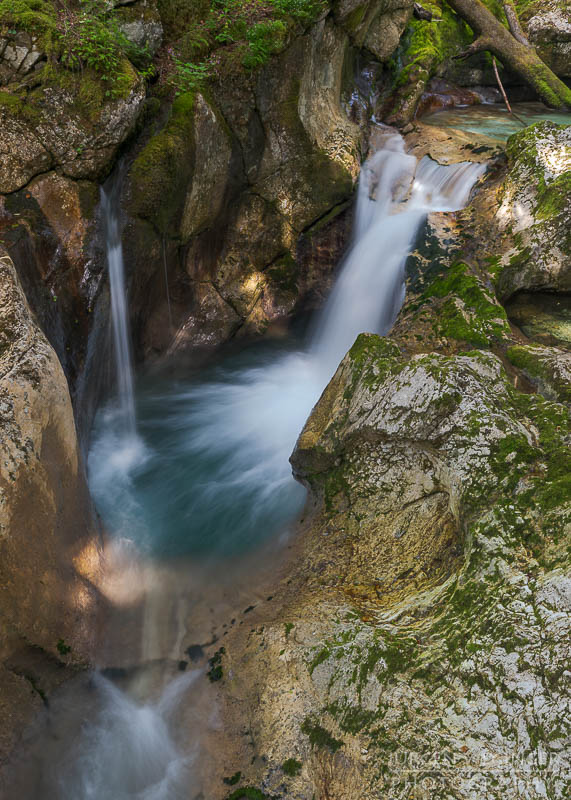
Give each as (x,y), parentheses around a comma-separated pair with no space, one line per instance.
(535,211)
(213,149)
(19,54)
(445,673)
(55,134)
(48,552)
(549,368)
(140,22)
(549,30)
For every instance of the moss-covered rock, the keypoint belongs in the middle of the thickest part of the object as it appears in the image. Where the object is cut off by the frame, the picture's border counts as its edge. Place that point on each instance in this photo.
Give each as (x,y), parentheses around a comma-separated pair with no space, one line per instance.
(67,124)
(160,174)
(429,596)
(547,367)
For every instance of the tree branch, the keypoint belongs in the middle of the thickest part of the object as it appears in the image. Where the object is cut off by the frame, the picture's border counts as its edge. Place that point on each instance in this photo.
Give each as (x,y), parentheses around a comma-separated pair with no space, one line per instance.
(478,45)
(514,23)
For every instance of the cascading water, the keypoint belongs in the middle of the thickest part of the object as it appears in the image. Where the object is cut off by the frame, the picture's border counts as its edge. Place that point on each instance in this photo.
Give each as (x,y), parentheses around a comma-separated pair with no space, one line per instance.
(205,471)
(128,449)
(215,478)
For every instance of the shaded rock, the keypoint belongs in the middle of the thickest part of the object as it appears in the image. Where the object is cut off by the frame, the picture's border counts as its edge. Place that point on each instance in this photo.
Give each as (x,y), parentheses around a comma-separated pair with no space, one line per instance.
(549,29)
(543,317)
(141,23)
(247,170)
(50,229)
(48,542)
(19,54)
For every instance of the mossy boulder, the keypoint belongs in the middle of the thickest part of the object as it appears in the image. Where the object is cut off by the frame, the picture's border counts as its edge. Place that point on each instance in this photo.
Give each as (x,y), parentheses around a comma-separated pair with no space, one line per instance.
(548,26)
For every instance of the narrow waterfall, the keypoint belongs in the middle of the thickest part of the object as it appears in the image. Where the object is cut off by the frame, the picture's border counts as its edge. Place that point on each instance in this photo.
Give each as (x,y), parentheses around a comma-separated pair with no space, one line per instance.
(110,206)
(215,477)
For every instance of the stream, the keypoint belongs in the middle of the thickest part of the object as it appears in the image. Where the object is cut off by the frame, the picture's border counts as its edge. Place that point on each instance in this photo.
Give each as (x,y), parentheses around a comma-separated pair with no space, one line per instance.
(191,477)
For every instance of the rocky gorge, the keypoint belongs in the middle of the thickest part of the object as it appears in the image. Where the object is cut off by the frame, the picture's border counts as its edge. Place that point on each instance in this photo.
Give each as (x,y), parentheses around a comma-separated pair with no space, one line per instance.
(415,637)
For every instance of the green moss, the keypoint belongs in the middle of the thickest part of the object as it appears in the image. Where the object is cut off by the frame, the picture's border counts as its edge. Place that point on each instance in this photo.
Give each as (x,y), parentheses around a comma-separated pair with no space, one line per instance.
(216,673)
(161,172)
(319,736)
(553,198)
(292,767)
(424,47)
(63,648)
(355,18)
(351,719)
(12,103)
(284,273)
(318,659)
(529,360)
(233,779)
(524,158)
(469,313)
(248,793)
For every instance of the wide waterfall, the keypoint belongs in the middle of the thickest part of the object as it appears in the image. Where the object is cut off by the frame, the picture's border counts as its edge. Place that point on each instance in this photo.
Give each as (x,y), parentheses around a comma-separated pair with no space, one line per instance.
(213,478)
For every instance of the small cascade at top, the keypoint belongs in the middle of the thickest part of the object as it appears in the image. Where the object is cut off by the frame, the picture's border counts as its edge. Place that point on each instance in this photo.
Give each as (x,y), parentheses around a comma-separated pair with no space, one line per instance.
(110,205)
(395,194)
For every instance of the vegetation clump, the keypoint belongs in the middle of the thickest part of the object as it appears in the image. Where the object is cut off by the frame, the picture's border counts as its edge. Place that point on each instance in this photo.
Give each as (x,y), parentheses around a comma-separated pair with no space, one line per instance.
(209,39)
(215,673)
(81,38)
(291,767)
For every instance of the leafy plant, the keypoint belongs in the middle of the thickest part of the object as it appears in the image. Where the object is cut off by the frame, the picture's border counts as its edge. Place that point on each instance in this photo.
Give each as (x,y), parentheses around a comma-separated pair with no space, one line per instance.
(263,39)
(188,77)
(63,648)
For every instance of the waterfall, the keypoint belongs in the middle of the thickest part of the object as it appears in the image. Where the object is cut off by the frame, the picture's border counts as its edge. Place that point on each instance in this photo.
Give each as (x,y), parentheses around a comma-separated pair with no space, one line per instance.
(213,477)
(216,477)
(395,194)
(110,206)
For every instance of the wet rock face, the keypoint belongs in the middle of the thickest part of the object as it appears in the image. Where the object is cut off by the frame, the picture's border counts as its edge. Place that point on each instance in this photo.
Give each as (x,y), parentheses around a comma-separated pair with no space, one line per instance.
(48,552)
(256,168)
(51,231)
